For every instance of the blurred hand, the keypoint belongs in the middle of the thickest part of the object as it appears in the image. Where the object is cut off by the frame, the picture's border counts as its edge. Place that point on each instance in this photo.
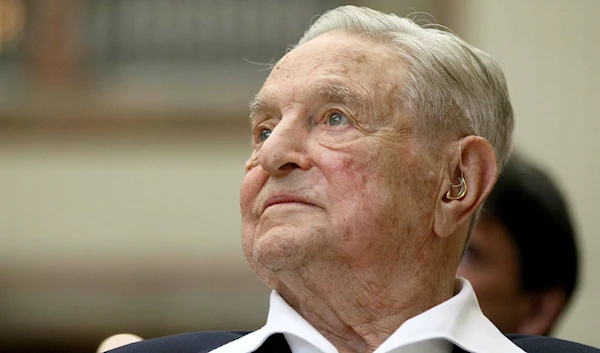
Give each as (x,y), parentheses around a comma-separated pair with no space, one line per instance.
(117,341)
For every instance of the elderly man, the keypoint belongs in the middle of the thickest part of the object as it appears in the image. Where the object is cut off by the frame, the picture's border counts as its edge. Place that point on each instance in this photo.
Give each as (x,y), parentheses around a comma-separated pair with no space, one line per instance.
(375,143)
(522,258)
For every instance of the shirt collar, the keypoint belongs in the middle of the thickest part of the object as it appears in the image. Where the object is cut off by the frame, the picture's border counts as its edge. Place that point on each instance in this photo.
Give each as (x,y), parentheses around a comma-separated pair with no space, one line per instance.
(458,321)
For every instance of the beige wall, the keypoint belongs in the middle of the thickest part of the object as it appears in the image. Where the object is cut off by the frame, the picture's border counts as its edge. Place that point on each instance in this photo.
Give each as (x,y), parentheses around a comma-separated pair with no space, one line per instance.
(124,228)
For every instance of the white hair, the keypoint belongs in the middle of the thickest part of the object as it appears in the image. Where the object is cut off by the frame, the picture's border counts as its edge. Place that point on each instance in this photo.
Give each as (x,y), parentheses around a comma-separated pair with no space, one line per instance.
(450,87)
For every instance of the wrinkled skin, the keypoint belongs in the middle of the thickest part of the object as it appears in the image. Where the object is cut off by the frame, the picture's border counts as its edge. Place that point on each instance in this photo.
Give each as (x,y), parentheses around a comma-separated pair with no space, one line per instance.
(367,189)
(339,196)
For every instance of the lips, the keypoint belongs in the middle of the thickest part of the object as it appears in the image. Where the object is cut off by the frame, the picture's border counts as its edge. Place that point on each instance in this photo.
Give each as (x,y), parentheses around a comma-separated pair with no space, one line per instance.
(286,199)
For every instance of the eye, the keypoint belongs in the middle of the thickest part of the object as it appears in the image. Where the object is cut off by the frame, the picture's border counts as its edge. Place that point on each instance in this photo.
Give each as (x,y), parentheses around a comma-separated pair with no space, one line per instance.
(337,119)
(474,256)
(467,254)
(263,135)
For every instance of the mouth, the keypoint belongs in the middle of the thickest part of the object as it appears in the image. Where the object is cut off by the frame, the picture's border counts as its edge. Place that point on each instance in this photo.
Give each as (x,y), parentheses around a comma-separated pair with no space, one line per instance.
(286,199)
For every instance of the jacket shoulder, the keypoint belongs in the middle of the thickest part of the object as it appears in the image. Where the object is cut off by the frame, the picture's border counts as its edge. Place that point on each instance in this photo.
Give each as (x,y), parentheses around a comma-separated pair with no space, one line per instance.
(540,344)
(193,342)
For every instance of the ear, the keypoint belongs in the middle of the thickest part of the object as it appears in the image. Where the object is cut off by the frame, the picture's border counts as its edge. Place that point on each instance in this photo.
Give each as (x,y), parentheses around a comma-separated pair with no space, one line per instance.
(544,309)
(480,171)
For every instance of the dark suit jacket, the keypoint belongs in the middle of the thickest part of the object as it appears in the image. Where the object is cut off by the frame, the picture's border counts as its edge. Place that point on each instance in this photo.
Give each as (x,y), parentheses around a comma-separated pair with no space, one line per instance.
(203,342)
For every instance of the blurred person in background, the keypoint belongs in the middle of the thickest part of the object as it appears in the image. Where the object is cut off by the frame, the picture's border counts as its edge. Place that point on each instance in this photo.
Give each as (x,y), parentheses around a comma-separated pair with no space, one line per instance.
(376,142)
(522,259)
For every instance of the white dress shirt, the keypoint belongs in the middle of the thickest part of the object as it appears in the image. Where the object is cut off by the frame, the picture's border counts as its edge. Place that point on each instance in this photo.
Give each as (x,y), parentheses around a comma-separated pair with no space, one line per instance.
(457,321)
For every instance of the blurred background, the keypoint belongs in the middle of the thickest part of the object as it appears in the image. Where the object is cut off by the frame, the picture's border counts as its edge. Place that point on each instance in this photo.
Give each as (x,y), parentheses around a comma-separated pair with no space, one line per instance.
(123,136)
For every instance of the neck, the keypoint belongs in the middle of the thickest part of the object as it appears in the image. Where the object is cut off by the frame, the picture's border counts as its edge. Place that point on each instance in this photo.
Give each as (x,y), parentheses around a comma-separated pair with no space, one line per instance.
(358,310)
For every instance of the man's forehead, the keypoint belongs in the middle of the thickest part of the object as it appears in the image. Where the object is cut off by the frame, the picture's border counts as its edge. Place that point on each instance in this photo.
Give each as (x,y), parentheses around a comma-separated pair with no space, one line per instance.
(330,52)
(336,66)
(331,89)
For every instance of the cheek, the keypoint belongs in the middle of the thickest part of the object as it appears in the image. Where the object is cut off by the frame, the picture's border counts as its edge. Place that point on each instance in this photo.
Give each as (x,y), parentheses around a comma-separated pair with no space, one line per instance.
(251,185)
(489,281)
(378,191)
(346,178)
(474,274)
(372,180)
(247,194)
(356,193)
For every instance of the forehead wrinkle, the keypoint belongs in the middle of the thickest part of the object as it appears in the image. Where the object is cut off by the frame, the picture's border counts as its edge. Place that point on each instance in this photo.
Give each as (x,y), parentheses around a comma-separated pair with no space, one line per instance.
(337,92)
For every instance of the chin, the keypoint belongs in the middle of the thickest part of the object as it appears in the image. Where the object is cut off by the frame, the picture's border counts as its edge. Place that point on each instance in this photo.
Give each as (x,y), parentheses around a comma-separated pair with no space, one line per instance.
(280,248)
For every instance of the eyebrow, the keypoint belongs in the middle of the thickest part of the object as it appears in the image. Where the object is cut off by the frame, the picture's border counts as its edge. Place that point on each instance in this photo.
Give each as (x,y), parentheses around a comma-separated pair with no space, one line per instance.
(256,105)
(331,92)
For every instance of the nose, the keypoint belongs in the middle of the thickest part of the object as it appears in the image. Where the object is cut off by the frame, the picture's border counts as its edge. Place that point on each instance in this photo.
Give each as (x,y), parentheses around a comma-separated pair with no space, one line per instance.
(285,149)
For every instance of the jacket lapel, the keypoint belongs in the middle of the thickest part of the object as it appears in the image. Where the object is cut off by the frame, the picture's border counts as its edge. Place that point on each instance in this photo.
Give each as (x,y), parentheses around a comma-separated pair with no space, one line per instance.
(274,344)
(457,349)
(277,344)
